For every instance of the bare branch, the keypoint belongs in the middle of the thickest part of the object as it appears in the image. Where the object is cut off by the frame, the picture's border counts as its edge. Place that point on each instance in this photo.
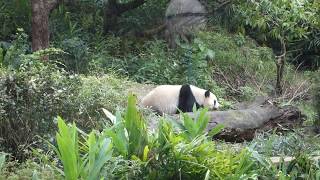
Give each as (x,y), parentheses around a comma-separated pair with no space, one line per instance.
(129,6)
(52,4)
(152,31)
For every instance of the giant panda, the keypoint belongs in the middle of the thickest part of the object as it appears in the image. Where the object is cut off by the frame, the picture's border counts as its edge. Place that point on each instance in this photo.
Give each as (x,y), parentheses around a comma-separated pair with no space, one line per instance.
(169,99)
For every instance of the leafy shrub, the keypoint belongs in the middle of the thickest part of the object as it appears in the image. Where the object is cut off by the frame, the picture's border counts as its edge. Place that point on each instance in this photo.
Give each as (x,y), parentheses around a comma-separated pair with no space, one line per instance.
(18,48)
(107,91)
(30,98)
(153,62)
(99,151)
(235,67)
(36,92)
(229,65)
(13,15)
(143,17)
(28,170)
(290,144)
(76,57)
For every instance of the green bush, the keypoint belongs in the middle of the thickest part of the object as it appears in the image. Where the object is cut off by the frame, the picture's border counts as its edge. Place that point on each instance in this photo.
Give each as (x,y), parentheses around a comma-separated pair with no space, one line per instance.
(35,93)
(76,57)
(17,49)
(281,145)
(237,65)
(29,99)
(229,65)
(28,170)
(154,63)
(13,15)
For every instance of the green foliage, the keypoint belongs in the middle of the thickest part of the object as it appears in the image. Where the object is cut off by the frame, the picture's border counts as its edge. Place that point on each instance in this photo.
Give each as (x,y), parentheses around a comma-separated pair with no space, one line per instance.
(107,91)
(309,110)
(67,141)
(195,128)
(136,129)
(303,167)
(30,98)
(2,161)
(118,134)
(316,97)
(14,14)
(289,144)
(18,48)
(243,71)
(231,65)
(296,23)
(247,93)
(283,20)
(166,154)
(28,170)
(196,157)
(33,95)
(129,134)
(1,56)
(143,17)
(76,57)
(153,57)
(97,151)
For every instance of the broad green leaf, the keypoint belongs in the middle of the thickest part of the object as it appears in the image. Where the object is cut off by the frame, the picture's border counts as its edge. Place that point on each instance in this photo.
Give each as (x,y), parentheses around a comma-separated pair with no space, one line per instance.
(145,153)
(190,126)
(68,151)
(136,128)
(202,121)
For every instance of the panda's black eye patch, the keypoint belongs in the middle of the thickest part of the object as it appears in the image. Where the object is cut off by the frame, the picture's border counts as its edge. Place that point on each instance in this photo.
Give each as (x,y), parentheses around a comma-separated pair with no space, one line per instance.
(214,102)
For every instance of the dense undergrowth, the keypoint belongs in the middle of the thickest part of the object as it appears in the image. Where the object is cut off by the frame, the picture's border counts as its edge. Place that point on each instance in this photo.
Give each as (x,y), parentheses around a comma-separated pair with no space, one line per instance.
(88,71)
(127,149)
(33,93)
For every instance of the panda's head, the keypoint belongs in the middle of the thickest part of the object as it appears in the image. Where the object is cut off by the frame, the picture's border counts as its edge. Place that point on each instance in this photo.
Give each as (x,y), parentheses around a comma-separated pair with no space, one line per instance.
(210,100)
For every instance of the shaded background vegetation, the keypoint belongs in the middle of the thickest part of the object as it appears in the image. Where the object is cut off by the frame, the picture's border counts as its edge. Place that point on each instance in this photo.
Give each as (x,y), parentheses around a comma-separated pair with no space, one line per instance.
(89,69)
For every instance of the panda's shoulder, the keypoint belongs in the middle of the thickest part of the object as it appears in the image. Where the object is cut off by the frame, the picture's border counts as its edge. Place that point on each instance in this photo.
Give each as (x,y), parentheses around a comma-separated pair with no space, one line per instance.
(196,89)
(167,87)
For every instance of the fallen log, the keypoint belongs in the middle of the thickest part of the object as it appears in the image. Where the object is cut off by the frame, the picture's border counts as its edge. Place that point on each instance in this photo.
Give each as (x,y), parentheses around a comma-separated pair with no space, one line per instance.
(241,123)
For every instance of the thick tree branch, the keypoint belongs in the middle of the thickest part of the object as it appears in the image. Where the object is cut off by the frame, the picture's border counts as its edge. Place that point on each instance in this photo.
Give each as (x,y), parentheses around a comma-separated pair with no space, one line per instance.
(153,31)
(280,63)
(113,10)
(52,4)
(129,6)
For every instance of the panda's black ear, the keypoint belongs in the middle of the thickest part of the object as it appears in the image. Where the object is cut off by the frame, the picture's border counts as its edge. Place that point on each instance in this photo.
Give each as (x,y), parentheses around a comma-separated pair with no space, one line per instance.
(207,93)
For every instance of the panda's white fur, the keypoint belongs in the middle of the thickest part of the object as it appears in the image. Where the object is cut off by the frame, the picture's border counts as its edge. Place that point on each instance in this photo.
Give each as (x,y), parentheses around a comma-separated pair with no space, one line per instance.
(165,98)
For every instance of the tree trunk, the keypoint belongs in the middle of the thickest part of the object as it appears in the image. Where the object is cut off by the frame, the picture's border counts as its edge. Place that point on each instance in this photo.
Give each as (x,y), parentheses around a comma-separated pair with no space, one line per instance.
(40,23)
(280,63)
(110,17)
